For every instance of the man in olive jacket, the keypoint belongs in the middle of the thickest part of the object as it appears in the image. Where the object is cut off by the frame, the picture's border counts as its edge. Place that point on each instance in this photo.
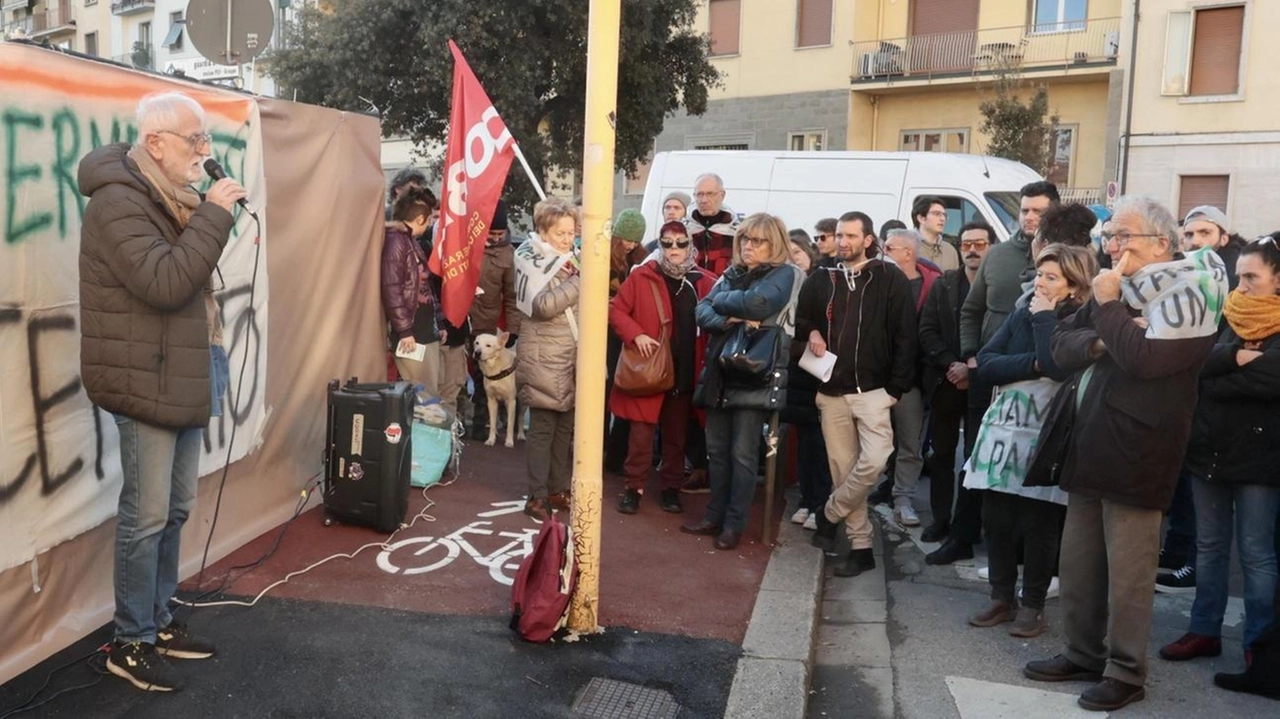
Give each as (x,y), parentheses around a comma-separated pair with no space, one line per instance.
(1134,398)
(148,247)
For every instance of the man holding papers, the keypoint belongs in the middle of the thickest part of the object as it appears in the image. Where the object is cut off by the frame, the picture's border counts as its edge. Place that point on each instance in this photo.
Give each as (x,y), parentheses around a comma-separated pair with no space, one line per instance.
(860,311)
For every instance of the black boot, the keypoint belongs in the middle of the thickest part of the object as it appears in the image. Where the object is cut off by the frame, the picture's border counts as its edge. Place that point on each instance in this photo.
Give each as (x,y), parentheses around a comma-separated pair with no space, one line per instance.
(825,536)
(951,551)
(858,561)
(935,532)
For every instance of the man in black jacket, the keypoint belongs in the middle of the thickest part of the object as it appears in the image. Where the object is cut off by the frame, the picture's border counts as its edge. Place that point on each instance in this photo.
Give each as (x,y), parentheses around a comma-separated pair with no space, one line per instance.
(946,381)
(861,310)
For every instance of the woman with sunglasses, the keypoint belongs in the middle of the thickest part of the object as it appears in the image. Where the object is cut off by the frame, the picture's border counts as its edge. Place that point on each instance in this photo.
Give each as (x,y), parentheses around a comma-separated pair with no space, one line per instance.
(665,287)
(1232,458)
(758,289)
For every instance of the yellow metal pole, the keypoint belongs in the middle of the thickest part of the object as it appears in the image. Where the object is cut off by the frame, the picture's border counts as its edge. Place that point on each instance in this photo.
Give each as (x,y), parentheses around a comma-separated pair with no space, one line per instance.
(597,203)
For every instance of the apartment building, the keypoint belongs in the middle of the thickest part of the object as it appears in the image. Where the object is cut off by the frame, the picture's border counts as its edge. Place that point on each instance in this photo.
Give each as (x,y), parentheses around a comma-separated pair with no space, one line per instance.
(909,75)
(1206,109)
(49,20)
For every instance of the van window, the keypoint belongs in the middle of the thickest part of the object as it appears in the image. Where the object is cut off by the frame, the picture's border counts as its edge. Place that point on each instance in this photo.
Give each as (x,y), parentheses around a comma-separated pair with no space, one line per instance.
(960,211)
(1006,205)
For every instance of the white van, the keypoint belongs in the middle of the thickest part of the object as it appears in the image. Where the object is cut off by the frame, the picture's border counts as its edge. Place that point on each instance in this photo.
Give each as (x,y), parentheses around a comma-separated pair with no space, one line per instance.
(804,187)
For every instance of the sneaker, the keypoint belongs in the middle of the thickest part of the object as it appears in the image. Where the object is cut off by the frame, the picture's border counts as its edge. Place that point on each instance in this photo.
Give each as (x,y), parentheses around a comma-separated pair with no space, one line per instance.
(984,573)
(800,516)
(139,664)
(629,502)
(670,501)
(1171,562)
(811,522)
(1191,646)
(697,483)
(178,642)
(905,515)
(858,561)
(1182,581)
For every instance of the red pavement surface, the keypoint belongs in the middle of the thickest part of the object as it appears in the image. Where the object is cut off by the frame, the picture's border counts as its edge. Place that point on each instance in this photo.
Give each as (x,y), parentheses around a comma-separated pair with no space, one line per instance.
(653,577)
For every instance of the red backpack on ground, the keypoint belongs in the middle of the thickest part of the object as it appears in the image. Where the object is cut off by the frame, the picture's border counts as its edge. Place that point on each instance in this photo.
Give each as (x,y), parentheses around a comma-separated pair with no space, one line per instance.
(544,584)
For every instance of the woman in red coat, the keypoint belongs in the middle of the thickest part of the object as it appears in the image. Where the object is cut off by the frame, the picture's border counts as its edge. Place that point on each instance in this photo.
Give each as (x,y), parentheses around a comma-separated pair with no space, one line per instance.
(670,276)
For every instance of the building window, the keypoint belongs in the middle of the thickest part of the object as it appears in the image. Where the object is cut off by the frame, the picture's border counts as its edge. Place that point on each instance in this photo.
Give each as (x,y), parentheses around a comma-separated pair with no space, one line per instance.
(173,41)
(91,44)
(728,141)
(1060,15)
(1203,52)
(144,34)
(1196,190)
(946,140)
(813,23)
(1064,147)
(88,3)
(807,141)
(725,26)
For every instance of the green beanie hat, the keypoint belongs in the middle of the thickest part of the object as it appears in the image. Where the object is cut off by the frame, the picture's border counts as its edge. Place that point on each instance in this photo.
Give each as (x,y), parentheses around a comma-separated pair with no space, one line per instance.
(629,226)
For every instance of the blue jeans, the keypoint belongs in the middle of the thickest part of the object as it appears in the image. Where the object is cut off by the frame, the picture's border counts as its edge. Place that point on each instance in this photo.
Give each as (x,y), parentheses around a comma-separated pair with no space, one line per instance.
(1180,539)
(733,444)
(1251,508)
(161,468)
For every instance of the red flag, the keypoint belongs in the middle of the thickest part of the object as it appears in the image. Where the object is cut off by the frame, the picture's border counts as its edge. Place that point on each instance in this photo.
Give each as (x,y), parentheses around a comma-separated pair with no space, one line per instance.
(477,156)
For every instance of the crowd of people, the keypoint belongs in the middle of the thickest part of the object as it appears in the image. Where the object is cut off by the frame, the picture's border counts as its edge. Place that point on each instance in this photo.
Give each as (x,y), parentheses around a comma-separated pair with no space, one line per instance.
(1050,362)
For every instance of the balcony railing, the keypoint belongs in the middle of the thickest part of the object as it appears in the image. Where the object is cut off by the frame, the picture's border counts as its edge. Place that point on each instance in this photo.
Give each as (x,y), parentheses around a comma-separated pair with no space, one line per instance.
(143,58)
(52,22)
(922,57)
(132,7)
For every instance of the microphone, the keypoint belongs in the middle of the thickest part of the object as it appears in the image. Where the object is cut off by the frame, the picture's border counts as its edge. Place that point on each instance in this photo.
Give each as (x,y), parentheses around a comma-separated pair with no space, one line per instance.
(214,170)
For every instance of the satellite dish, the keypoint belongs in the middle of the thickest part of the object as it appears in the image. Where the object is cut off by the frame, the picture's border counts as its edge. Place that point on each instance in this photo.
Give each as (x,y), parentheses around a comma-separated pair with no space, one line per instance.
(230,32)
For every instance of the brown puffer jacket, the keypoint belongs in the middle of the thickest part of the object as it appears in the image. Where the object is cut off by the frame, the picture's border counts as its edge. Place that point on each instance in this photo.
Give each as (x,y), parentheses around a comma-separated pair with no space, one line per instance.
(144,350)
(547,355)
(498,282)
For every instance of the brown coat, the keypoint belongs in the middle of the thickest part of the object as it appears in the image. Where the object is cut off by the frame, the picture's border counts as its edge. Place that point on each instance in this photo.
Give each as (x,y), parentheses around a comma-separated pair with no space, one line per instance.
(144,350)
(498,282)
(547,355)
(1132,426)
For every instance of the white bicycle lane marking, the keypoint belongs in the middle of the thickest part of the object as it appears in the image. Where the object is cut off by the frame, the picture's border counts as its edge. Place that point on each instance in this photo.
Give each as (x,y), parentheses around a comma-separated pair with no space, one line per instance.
(420,555)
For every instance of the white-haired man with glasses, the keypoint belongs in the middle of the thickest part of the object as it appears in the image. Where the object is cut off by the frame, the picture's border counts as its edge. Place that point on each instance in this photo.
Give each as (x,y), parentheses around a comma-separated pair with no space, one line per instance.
(1136,365)
(149,245)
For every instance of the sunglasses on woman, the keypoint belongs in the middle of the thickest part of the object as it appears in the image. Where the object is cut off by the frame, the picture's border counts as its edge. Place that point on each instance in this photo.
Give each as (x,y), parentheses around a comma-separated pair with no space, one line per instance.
(668,244)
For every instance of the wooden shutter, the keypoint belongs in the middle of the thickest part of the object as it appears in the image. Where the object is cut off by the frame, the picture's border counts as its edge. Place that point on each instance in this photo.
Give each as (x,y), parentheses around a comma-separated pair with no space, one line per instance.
(934,16)
(1199,190)
(813,23)
(725,17)
(1215,54)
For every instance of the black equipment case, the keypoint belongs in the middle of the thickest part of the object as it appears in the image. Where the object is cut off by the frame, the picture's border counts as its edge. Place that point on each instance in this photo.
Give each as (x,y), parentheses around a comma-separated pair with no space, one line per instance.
(367,454)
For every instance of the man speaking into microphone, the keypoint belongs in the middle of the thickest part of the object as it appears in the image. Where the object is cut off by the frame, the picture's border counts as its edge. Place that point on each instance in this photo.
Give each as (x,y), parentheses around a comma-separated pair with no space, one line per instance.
(148,248)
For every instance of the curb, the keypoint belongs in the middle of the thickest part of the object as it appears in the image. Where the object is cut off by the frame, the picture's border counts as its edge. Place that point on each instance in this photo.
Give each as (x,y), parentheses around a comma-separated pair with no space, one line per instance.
(773,674)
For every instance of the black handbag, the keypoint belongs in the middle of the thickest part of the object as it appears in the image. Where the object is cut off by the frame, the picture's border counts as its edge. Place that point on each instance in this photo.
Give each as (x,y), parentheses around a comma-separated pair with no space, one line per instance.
(1050,456)
(749,356)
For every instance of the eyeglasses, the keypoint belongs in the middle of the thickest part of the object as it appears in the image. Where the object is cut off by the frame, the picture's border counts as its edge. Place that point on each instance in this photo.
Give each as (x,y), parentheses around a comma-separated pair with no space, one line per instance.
(894,248)
(937,213)
(668,244)
(707,195)
(196,141)
(755,241)
(1123,236)
(973,244)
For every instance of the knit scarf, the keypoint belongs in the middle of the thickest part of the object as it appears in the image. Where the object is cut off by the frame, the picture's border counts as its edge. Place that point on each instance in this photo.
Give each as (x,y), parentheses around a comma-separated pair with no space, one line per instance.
(668,268)
(1253,317)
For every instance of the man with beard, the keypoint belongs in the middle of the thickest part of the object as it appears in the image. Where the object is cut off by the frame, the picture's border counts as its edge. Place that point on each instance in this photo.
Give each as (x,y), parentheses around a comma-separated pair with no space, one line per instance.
(861,311)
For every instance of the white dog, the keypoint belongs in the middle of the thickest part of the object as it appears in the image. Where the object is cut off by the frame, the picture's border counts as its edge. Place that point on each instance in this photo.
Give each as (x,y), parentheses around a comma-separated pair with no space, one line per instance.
(498,365)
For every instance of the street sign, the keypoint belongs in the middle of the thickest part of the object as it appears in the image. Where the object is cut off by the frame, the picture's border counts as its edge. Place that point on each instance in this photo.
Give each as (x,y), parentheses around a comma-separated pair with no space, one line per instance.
(230,32)
(198,68)
(1113,192)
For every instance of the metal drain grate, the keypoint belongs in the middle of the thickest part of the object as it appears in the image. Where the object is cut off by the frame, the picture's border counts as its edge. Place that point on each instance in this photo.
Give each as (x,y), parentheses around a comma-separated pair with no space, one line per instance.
(612,699)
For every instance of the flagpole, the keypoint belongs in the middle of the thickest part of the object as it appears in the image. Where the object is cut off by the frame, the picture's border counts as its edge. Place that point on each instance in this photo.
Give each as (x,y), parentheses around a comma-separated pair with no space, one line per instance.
(525,164)
(603,29)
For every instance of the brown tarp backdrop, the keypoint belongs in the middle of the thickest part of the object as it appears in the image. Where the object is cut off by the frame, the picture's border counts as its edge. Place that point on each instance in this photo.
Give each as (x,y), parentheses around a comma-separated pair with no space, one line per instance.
(323,241)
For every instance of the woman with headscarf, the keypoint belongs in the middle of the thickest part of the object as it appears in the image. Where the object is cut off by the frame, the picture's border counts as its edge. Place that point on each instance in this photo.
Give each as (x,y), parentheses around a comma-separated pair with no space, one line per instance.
(660,295)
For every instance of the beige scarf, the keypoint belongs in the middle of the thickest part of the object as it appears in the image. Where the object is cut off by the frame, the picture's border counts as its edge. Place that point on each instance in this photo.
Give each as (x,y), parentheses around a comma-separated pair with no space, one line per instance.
(181,201)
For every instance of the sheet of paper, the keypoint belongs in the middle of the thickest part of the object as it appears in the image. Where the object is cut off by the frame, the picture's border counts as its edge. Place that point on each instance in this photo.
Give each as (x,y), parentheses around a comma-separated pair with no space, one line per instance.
(417,355)
(819,367)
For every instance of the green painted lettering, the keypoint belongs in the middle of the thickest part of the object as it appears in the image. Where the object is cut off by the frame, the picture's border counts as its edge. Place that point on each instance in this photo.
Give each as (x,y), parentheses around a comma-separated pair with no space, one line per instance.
(66,137)
(14,229)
